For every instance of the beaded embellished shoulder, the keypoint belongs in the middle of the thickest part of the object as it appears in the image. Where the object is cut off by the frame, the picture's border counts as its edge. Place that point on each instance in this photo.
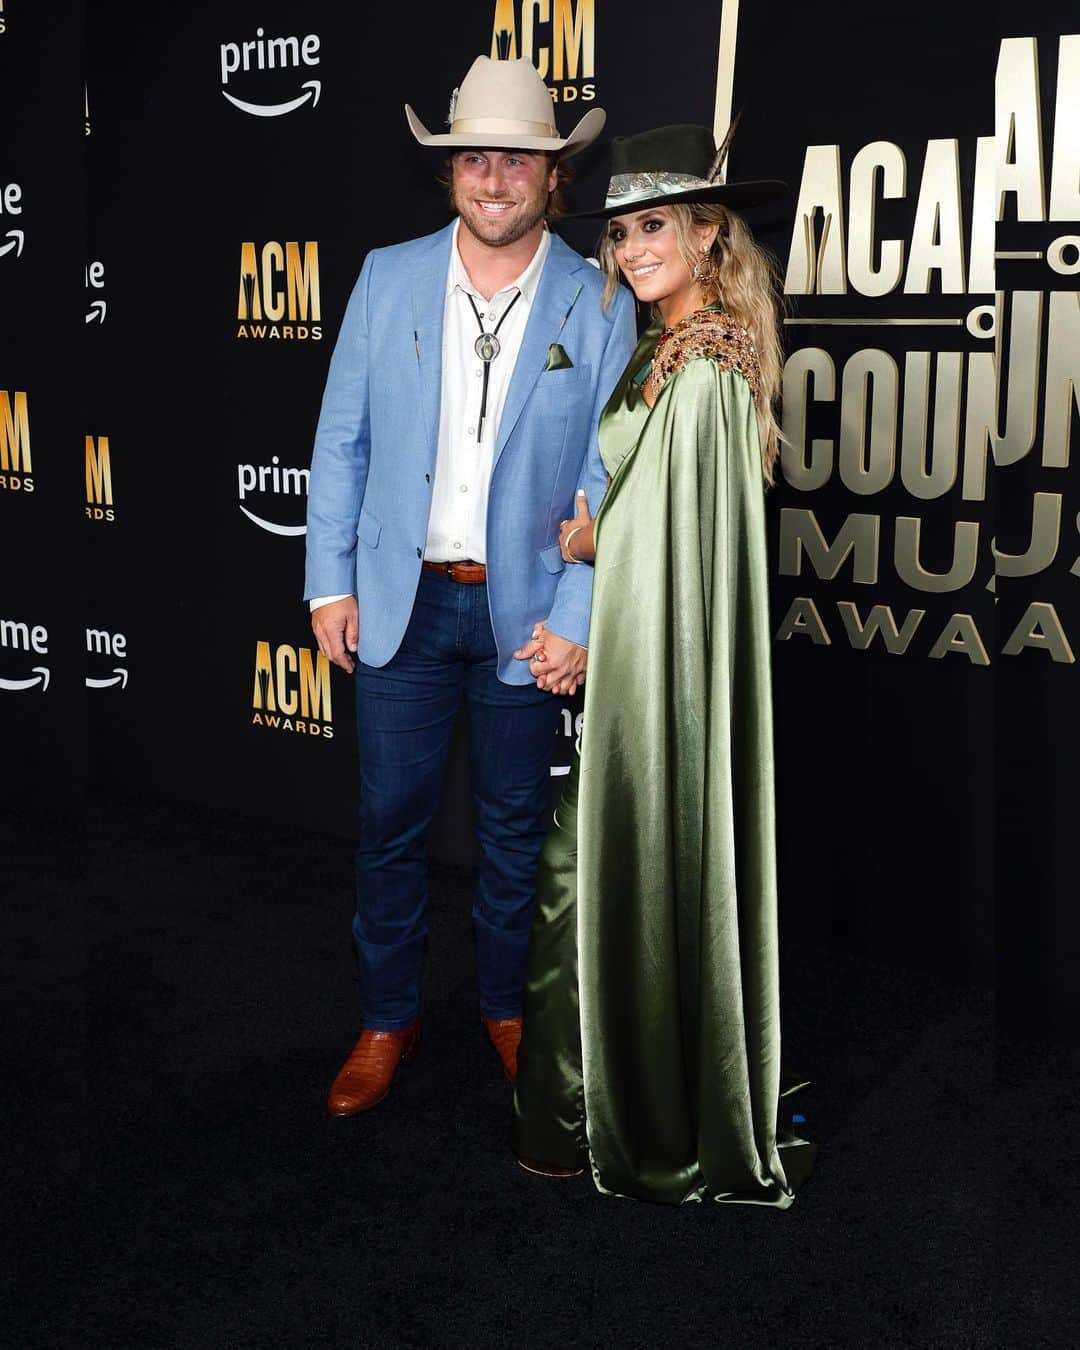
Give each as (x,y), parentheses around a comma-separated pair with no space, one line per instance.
(708,333)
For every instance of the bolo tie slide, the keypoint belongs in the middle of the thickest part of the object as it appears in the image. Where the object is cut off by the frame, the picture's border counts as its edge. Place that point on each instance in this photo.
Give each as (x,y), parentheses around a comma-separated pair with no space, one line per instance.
(487,348)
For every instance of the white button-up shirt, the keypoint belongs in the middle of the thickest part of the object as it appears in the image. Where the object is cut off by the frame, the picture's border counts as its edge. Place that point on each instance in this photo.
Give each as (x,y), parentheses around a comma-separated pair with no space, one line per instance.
(457,526)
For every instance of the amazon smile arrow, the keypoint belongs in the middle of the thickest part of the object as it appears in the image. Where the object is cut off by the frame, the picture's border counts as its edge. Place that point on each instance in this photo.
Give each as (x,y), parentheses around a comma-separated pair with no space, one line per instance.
(41,676)
(16,237)
(97,311)
(288,530)
(120,677)
(314,88)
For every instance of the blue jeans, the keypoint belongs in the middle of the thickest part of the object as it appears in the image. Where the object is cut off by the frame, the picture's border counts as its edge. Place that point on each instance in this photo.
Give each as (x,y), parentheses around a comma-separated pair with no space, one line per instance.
(405,714)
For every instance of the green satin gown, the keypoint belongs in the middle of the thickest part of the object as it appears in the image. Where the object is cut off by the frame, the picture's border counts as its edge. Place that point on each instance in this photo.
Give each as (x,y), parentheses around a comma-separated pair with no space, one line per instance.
(651,1045)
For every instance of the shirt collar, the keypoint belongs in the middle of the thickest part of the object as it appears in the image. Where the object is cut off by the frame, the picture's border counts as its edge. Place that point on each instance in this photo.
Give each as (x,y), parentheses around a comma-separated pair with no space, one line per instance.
(526,283)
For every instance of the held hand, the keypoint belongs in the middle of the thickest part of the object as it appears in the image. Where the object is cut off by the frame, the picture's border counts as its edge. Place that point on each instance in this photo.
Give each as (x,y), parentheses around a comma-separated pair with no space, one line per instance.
(559,665)
(576,536)
(337,630)
(534,646)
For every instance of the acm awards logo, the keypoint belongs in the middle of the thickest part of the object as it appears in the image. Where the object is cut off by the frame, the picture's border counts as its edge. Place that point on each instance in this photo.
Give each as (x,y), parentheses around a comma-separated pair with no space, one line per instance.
(27,642)
(292,691)
(107,648)
(557,36)
(16,464)
(270,54)
(279,292)
(11,240)
(99,483)
(269,482)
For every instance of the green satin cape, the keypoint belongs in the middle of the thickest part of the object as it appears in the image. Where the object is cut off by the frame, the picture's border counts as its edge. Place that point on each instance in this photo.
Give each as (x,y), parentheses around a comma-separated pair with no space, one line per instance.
(656,900)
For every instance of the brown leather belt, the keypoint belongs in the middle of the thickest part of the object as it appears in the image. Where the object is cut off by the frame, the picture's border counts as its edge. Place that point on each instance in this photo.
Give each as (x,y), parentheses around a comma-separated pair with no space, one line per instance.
(466,571)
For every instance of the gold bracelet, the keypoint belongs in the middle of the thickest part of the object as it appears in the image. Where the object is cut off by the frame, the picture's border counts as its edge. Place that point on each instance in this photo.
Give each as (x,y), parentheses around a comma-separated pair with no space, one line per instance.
(566,543)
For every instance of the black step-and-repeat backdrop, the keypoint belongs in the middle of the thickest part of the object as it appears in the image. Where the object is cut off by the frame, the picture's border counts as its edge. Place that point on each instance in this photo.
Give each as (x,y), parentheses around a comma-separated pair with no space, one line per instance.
(241,160)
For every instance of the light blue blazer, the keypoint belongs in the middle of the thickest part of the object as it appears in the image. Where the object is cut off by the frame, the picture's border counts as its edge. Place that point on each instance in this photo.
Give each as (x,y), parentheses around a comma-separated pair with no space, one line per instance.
(373,466)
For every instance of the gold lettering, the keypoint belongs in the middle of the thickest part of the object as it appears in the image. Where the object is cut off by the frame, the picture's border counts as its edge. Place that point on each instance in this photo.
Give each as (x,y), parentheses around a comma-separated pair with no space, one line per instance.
(806,475)
(887,160)
(247,305)
(921,479)
(1045,538)
(284,666)
(14,433)
(1040,628)
(575,39)
(813,266)
(961,635)
(859,536)
(273,300)
(1017,434)
(1065,170)
(315,686)
(303,281)
(263,696)
(867,469)
(979,422)
(1018,129)
(803,620)
(1062,377)
(534,12)
(98,472)
(981,278)
(910,570)
(937,237)
(505,22)
(879,620)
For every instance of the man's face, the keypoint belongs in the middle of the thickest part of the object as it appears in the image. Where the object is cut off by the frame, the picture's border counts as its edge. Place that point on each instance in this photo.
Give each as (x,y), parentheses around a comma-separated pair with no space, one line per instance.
(501,195)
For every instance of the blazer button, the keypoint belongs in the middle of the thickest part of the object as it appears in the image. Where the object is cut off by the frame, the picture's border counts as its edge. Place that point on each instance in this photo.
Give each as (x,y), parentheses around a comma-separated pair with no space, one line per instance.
(427,478)
(419,554)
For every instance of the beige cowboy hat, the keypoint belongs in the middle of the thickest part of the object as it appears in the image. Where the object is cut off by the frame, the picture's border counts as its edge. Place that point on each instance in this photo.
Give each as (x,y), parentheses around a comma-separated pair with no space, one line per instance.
(505,105)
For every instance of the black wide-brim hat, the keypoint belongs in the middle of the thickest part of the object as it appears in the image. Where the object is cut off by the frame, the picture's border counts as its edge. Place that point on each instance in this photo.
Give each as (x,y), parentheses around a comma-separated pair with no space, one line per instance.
(674,164)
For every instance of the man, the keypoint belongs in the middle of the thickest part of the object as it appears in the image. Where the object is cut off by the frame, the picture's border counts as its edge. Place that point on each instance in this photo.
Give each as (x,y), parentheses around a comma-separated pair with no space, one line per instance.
(458,420)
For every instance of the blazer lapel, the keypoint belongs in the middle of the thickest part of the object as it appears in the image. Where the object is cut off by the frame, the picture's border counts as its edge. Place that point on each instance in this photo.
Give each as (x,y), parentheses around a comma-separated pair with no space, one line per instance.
(428,287)
(553,298)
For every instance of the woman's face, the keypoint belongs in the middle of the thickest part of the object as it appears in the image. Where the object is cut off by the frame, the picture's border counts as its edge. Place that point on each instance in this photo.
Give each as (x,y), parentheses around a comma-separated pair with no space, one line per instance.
(647,252)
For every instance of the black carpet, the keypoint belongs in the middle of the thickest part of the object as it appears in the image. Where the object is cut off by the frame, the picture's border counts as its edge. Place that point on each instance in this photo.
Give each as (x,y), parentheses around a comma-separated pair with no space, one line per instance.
(182,1185)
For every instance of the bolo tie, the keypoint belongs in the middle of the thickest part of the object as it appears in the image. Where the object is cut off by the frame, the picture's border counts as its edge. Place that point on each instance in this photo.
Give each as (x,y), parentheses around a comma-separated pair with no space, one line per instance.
(487,348)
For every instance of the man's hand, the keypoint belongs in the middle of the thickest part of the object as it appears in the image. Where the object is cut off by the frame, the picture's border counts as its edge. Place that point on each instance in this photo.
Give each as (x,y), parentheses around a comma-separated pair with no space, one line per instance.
(337,630)
(559,665)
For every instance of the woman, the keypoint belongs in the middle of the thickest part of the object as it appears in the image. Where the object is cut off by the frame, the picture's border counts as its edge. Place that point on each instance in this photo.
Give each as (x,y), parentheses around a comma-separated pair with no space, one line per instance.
(651,1031)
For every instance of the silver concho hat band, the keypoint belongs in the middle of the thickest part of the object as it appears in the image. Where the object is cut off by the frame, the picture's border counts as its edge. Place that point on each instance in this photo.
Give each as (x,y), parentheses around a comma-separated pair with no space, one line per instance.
(626,188)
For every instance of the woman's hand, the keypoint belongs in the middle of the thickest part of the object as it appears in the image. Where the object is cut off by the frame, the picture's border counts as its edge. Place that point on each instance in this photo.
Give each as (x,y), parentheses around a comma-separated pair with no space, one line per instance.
(576,536)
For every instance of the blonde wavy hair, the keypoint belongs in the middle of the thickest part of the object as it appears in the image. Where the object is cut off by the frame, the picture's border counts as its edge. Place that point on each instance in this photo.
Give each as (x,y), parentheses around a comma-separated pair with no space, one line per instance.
(744,278)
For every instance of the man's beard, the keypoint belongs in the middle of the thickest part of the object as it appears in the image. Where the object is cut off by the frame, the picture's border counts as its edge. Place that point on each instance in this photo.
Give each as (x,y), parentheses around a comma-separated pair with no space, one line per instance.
(499,233)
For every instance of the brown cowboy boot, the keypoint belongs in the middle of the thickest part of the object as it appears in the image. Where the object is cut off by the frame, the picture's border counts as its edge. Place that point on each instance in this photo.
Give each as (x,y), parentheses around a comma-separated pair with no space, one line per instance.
(504,1033)
(365,1077)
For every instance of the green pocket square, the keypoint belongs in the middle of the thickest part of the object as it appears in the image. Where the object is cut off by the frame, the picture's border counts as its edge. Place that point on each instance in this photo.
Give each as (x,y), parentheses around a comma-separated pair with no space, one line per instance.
(557,359)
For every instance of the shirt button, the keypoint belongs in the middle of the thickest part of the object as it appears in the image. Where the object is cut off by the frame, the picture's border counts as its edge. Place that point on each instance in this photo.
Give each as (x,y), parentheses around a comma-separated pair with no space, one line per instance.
(480,372)
(457,543)
(464,487)
(472,431)
(491,318)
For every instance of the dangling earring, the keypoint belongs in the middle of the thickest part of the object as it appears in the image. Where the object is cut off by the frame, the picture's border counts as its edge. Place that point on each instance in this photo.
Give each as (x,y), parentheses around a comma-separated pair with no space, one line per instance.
(704,270)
